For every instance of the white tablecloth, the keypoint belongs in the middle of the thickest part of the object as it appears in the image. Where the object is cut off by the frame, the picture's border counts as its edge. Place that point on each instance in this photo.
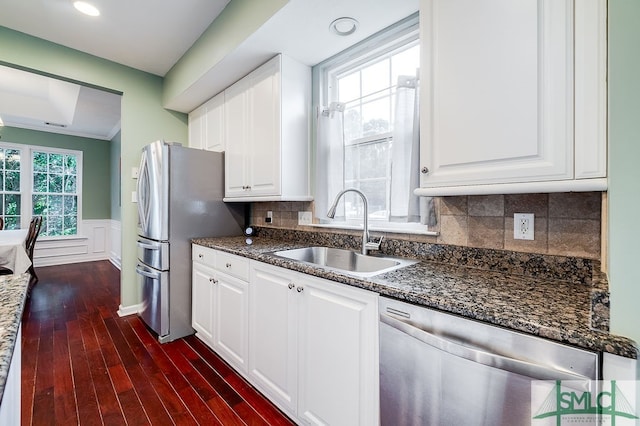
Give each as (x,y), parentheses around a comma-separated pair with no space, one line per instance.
(12,251)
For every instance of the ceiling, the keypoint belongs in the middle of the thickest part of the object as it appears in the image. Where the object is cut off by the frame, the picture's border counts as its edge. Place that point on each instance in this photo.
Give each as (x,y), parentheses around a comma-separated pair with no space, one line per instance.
(144,34)
(153,35)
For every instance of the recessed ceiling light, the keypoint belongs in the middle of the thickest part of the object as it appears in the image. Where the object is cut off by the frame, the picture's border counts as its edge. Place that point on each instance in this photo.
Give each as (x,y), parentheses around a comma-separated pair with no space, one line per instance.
(344,26)
(86,8)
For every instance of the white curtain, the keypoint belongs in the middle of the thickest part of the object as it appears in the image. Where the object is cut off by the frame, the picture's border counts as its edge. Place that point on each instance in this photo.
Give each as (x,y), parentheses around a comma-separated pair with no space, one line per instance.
(405,166)
(329,157)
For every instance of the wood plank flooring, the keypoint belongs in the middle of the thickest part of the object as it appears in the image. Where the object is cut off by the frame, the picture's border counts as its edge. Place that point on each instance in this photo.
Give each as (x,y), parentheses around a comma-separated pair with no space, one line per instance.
(83,364)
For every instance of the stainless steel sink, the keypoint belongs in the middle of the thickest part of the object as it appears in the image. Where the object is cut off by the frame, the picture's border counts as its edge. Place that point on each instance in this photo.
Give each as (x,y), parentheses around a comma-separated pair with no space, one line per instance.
(345,261)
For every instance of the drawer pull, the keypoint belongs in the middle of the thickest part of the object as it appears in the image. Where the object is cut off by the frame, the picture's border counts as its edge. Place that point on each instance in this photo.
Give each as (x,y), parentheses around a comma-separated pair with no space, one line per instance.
(213,281)
(291,286)
(228,265)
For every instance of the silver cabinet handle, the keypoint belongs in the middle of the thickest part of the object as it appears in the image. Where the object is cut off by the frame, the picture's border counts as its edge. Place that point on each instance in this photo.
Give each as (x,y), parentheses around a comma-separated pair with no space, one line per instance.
(480,356)
(228,265)
(291,286)
(425,170)
(300,289)
(200,256)
(213,281)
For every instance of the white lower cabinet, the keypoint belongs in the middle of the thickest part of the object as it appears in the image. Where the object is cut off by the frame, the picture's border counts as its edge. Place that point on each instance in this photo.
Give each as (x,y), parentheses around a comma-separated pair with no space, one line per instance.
(202,299)
(10,408)
(220,306)
(314,346)
(309,345)
(273,334)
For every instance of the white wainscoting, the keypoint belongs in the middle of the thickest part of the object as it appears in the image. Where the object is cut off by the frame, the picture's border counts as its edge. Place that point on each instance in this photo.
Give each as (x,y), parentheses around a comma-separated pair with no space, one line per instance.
(115,246)
(98,240)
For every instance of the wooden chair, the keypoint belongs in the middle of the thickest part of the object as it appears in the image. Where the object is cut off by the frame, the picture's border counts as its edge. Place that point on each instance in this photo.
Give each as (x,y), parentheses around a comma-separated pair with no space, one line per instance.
(30,243)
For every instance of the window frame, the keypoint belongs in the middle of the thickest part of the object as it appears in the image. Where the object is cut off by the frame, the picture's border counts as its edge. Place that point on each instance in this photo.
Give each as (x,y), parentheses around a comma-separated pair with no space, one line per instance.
(26,183)
(404,34)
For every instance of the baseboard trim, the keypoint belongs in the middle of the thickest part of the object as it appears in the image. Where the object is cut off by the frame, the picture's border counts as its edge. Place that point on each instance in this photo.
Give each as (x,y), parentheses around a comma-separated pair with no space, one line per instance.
(124,311)
(116,262)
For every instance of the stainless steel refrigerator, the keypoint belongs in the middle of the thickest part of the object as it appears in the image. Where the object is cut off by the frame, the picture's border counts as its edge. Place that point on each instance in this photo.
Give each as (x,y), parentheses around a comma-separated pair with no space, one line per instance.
(180,193)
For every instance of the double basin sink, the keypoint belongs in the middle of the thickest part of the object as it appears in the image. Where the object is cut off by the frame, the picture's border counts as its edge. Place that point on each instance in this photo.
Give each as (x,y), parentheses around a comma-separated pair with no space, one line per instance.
(345,261)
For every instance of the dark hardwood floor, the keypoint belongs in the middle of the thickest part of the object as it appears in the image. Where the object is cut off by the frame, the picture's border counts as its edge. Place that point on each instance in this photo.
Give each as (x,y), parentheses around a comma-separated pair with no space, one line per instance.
(83,364)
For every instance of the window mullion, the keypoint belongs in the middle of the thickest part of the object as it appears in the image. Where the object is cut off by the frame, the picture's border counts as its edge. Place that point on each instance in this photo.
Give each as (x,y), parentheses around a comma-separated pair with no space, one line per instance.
(27,190)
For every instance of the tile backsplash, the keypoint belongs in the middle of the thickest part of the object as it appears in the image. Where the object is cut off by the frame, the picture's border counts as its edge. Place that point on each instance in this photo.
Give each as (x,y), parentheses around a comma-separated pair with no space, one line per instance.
(566,224)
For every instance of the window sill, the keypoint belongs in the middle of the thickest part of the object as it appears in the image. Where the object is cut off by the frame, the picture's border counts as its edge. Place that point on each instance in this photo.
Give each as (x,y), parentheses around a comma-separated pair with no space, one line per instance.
(396,229)
(63,238)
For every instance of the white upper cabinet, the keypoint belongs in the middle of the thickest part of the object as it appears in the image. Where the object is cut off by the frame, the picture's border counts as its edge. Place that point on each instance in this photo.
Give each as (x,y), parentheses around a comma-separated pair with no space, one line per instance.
(267,133)
(513,96)
(206,125)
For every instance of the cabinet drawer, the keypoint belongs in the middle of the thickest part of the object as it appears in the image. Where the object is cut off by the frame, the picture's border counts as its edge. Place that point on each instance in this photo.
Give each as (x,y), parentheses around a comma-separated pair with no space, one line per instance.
(233,265)
(203,255)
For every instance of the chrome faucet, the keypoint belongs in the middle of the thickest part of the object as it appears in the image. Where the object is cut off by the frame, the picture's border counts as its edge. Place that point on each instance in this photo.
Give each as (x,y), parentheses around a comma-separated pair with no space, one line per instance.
(366,244)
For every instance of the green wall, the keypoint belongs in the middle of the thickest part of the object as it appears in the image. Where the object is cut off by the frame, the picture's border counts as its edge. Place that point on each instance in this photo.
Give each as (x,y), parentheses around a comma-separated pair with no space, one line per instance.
(143,119)
(624,168)
(96,173)
(114,154)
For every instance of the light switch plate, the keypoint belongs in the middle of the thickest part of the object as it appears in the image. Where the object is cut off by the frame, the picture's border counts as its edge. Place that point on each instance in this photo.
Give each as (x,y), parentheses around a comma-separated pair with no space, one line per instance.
(134,197)
(523,226)
(134,173)
(304,218)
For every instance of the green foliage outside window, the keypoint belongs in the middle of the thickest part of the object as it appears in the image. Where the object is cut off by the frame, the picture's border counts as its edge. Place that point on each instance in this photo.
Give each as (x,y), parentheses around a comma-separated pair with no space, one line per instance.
(10,187)
(54,194)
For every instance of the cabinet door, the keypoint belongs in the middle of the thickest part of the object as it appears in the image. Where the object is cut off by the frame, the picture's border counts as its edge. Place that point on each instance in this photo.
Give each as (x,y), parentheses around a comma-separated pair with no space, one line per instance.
(264,140)
(497,91)
(338,365)
(214,124)
(236,127)
(230,315)
(202,293)
(273,326)
(196,127)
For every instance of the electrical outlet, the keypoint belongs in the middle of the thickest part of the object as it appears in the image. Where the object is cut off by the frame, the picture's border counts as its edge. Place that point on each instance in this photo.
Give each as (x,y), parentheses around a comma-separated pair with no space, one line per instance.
(523,226)
(304,218)
(269,217)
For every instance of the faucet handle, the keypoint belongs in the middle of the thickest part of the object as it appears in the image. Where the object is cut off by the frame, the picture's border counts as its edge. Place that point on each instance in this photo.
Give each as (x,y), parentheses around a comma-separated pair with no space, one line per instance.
(374,245)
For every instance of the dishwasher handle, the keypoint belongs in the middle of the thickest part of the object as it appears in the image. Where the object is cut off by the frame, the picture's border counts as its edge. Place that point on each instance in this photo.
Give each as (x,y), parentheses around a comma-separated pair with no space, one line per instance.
(523,368)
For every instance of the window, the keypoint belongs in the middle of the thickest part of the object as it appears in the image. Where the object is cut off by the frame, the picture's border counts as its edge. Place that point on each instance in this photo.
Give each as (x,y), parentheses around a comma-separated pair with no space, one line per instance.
(39,181)
(10,178)
(368,93)
(55,195)
(363,82)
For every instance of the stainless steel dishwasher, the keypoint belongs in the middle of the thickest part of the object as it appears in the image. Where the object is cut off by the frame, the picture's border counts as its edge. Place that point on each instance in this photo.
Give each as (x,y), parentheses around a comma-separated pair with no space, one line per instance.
(440,369)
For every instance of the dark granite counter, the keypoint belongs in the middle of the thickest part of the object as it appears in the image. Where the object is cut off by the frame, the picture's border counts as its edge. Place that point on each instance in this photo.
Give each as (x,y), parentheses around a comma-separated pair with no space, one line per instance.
(13,292)
(552,300)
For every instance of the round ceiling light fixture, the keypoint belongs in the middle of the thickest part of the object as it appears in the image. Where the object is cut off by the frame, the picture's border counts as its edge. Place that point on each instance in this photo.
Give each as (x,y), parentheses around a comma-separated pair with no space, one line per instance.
(344,26)
(86,8)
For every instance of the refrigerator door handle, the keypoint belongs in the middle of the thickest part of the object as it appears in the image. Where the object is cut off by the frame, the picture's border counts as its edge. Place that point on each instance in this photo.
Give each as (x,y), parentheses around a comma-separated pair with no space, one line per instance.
(524,368)
(143,194)
(148,274)
(148,246)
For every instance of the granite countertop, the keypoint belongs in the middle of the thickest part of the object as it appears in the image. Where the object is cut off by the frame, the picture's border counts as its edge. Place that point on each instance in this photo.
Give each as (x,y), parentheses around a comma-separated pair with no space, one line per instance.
(13,293)
(555,309)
